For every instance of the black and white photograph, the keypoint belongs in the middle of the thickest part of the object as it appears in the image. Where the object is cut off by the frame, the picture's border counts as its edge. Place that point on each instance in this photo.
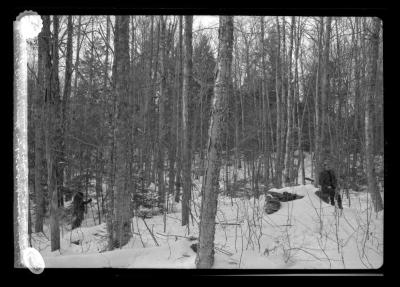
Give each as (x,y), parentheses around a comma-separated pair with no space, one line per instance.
(174,141)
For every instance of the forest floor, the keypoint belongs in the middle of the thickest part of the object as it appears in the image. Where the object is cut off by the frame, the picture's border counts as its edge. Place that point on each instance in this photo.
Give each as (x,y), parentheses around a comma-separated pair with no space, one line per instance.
(304,233)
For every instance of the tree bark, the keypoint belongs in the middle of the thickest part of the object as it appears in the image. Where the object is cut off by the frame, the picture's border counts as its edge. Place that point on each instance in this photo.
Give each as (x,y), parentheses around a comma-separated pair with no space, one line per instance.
(122,213)
(77,58)
(325,92)
(186,96)
(205,254)
(173,93)
(266,111)
(278,169)
(161,116)
(58,106)
(288,149)
(179,119)
(66,97)
(39,122)
(283,70)
(369,121)
(53,129)
(317,128)
(148,104)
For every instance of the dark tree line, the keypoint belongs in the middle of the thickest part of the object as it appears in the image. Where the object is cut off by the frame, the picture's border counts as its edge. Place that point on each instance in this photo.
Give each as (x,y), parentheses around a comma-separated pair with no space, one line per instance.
(118,103)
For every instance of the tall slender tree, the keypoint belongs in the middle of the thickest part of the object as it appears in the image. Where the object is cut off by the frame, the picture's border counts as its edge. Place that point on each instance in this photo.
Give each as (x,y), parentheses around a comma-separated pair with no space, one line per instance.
(266,110)
(209,190)
(52,130)
(186,96)
(369,120)
(161,113)
(179,113)
(325,85)
(290,120)
(122,214)
(278,170)
(66,97)
(39,133)
(317,128)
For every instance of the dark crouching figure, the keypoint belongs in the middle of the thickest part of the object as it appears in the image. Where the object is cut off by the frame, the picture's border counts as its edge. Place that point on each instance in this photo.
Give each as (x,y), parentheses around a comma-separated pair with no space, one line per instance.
(78,209)
(328,183)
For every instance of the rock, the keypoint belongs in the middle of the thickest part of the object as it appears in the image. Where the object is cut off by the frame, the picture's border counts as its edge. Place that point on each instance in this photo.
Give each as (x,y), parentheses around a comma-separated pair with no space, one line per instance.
(285,196)
(274,199)
(272,205)
(194,247)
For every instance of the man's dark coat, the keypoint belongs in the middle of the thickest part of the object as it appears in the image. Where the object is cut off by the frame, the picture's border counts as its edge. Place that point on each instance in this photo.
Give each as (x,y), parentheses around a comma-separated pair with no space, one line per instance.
(328,183)
(78,209)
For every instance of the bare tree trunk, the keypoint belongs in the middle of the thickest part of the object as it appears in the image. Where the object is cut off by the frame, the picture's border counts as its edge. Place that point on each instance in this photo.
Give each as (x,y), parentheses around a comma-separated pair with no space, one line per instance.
(288,149)
(369,121)
(99,181)
(237,102)
(283,70)
(39,122)
(205,253)
(172,152)
(278,169)
(59,135)
(78,48)
(317,128)
(148,106)
(66,98)
(53,133)
(70,168)
(186,96)
(161,116)
(266,111)
(357,94)
(325,92)
(122,213)
(179,119)
(300,122)
(111,186)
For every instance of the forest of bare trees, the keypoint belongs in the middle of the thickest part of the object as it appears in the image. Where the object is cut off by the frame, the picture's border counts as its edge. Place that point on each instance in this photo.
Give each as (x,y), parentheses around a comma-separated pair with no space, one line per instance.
(117,104)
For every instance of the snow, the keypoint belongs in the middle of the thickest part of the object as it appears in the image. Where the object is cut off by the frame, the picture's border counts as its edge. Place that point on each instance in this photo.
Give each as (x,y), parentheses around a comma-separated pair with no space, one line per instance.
(304,234)
(173,255)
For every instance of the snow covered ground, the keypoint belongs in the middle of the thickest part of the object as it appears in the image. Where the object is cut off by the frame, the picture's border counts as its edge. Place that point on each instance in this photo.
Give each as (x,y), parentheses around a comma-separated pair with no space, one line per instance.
(304,234)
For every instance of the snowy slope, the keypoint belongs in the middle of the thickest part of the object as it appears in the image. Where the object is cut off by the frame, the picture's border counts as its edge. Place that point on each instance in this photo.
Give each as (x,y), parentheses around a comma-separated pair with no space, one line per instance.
(304,234)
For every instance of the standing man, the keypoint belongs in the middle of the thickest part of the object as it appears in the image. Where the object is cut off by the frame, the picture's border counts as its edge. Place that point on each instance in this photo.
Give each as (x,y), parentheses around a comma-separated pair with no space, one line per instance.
(78,209)
(328,183)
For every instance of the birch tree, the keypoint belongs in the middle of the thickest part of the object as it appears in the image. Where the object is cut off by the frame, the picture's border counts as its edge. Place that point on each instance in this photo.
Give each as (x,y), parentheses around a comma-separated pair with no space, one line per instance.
(210,186)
